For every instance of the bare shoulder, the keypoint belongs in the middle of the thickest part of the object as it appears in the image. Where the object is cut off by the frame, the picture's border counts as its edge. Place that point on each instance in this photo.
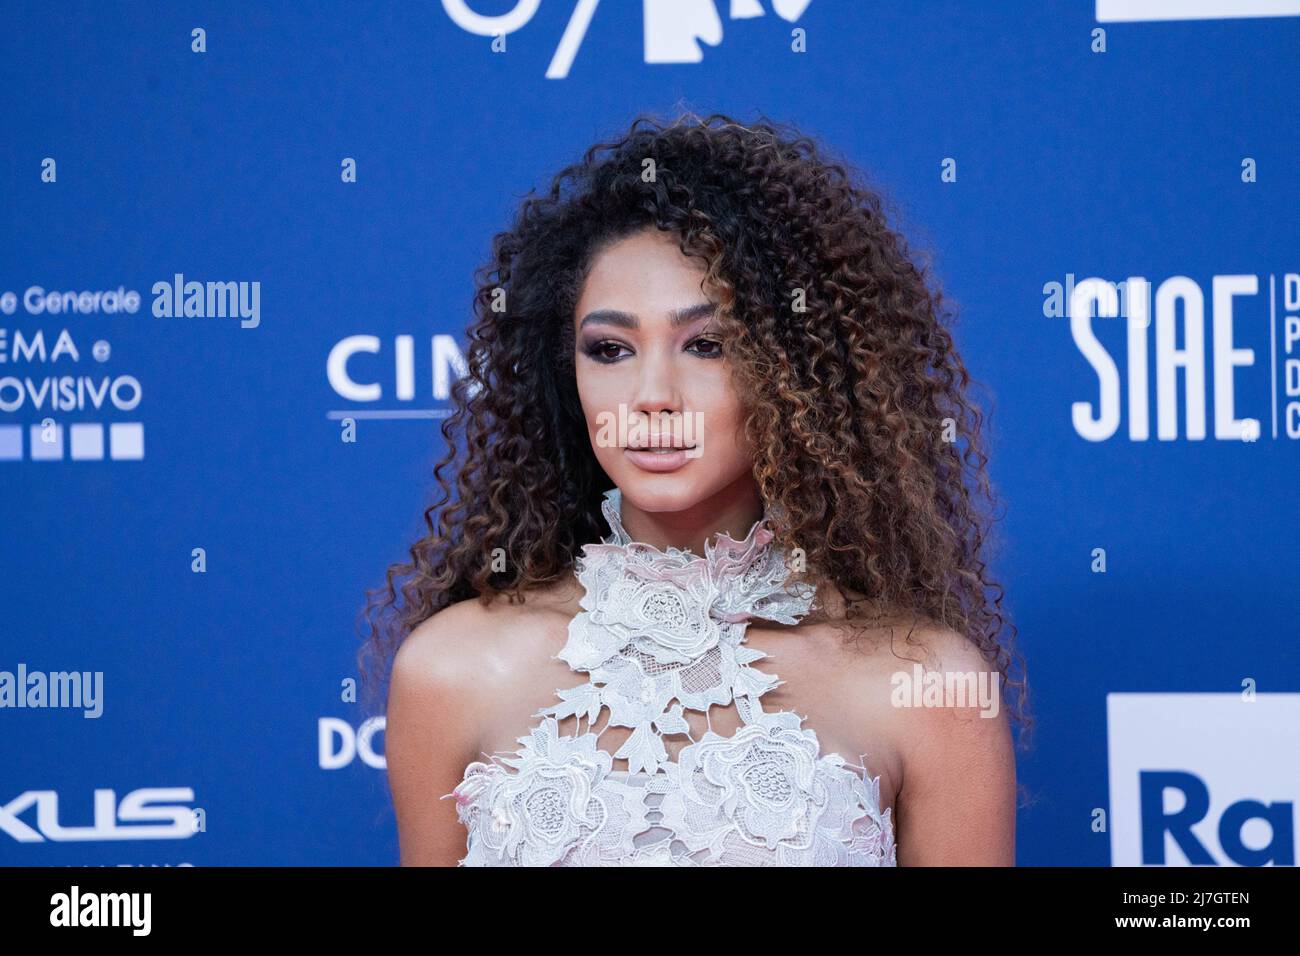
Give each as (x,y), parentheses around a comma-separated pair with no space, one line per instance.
(914,685)
(948,720)
(933,673)
(469,650)
(932,703)
(937,647)
(448,677)
(947,707)
(872,650)
(444,655)
(436,687)
(890,638)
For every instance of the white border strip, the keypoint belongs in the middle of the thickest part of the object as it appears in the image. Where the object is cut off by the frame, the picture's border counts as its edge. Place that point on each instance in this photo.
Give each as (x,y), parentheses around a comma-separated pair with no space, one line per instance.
(1122,11)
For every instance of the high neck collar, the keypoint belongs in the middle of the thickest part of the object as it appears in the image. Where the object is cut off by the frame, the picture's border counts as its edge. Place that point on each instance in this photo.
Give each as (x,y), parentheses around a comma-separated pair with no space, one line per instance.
(733,580)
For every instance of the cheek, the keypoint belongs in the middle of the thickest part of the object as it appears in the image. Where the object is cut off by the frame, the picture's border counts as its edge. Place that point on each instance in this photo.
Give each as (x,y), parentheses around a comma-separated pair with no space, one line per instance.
(598,394)
(723,418)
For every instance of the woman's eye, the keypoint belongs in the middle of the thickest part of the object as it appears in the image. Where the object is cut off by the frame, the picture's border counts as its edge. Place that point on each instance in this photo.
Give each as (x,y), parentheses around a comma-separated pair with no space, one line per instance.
(707,348)
(604,351)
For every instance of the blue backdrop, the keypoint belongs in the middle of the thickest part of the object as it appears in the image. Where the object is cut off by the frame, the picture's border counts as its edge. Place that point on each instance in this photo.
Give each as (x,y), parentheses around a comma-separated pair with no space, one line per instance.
(1159,149)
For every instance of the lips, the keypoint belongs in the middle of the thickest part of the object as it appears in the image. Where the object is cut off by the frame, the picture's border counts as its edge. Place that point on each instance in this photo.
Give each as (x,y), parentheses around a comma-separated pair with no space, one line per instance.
(649,458)
(661,443)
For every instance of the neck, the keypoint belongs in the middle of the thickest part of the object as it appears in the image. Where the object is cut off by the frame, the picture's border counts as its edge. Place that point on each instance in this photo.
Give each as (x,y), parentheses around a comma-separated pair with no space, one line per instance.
(733,511)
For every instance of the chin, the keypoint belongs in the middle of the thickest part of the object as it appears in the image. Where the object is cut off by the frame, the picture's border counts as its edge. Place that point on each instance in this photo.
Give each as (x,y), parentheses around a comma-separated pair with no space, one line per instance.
(663,492)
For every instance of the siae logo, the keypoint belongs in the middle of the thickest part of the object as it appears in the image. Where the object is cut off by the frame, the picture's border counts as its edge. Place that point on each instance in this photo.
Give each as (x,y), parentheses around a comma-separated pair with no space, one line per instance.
(145,813)
(1278,818)
(1182,348)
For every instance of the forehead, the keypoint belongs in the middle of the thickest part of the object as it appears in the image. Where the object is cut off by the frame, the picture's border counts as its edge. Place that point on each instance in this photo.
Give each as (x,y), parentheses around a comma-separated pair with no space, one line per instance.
(644,273)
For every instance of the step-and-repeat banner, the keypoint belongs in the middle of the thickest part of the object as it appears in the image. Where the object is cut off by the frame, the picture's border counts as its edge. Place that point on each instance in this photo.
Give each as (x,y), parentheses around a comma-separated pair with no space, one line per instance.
(232,229)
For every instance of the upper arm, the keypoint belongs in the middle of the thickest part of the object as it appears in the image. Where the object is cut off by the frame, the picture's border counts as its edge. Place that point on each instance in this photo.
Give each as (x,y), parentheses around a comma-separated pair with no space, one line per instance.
(957,805)
(431,732)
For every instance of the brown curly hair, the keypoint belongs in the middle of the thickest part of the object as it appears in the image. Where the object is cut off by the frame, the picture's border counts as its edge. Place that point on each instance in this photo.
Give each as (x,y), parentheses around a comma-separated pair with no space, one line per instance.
(856,403)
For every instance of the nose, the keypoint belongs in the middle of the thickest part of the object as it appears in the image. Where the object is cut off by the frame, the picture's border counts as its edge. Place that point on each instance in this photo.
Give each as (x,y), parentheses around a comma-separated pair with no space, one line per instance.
(657,389)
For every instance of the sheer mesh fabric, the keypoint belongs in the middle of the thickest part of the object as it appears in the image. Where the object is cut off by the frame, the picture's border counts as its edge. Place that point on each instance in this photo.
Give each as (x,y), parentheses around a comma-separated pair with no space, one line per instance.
(661,633)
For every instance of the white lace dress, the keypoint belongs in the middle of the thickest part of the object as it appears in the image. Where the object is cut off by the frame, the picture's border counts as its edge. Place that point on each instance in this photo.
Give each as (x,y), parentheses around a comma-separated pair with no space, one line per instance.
(660,632)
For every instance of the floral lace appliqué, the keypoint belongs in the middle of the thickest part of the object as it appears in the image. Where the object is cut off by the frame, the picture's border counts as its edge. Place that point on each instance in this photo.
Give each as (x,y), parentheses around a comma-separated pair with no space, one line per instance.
(661,632)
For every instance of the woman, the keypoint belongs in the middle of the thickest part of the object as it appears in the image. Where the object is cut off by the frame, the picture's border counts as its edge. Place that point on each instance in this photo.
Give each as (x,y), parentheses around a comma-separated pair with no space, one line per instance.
(717,528)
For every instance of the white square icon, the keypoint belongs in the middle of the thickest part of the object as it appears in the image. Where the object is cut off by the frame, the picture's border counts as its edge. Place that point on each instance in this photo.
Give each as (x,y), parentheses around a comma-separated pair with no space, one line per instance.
(126,441)
(87,441)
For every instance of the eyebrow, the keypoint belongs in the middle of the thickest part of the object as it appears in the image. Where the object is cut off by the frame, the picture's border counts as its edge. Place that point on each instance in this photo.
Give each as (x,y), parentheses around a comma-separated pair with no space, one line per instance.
(626,320)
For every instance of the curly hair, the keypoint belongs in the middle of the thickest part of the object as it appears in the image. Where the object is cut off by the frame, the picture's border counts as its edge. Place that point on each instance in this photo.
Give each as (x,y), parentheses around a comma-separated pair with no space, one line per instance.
(854,394)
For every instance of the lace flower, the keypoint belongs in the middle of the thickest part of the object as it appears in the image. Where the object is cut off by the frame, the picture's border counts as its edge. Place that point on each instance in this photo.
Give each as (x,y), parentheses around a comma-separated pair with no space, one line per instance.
(532,816)
(762,779)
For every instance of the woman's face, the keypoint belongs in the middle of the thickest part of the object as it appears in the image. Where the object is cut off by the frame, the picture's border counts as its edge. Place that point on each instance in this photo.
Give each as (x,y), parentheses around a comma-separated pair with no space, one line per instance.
(651,371)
